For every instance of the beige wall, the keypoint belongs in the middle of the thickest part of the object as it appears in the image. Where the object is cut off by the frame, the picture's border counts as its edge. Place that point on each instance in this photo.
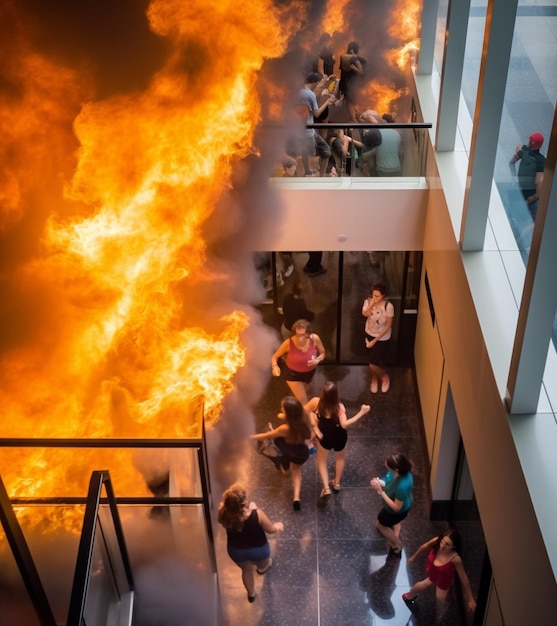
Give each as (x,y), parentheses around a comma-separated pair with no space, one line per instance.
(521,568)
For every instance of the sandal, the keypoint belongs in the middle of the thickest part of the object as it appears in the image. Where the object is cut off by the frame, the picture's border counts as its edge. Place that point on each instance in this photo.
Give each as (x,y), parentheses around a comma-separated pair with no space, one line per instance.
(335,486)
(325,492)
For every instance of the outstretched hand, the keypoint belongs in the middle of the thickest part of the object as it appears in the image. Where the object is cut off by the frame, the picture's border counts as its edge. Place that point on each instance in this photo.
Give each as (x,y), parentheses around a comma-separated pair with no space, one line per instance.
(365,408)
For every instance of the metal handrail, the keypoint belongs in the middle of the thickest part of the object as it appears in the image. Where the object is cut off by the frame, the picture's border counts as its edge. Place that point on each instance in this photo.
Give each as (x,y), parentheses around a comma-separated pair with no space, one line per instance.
(80,585)
(24,560)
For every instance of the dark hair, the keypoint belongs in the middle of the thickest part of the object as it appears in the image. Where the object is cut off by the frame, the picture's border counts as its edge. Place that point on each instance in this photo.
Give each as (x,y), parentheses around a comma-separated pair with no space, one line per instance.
(454,536)
(399,463)
(388,118)
(328,400)
(353,46)
(296,419)
(232,509)
(380,287)
(314,77)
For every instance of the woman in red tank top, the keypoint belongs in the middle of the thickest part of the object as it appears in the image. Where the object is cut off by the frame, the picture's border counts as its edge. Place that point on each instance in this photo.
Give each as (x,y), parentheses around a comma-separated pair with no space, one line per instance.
(302,353)
(443,561)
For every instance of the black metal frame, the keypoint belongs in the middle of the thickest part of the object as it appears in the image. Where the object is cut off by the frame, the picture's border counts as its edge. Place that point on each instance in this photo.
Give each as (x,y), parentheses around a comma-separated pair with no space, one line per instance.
(24,560)
(80,586)
(20,549)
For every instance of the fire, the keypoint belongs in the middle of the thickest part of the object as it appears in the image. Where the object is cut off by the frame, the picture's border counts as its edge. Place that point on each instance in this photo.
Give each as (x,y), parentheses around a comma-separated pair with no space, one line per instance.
(334,20)
(122,340)
(118,331)
(383,98)
(405,28)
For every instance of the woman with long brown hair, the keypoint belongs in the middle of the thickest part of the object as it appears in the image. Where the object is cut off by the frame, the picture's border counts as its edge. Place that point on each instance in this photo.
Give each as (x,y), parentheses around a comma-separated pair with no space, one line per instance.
(246,528)
(329,423)
(290,438)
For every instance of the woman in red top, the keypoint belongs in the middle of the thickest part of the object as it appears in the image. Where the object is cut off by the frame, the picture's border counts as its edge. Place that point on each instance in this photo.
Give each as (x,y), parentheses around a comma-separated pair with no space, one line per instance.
(443,562)
(304,351)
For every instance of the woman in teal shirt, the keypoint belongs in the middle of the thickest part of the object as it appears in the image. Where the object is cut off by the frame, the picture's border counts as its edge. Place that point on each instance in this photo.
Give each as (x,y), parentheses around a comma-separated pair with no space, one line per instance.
(395,489)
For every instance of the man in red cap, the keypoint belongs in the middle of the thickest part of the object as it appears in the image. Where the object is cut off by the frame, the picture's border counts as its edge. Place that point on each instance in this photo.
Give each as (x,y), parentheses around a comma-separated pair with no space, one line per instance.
(530,170)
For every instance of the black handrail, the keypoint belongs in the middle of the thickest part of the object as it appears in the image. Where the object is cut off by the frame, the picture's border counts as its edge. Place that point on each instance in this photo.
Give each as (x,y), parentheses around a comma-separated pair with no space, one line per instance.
(24,560)
(80,585)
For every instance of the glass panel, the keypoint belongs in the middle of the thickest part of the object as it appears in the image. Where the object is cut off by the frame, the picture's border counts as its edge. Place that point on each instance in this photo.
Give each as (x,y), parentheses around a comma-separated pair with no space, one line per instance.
(168,548)
(371,150)
(15,605)
(101,607)
(361,271)
(313,277)
(65,472)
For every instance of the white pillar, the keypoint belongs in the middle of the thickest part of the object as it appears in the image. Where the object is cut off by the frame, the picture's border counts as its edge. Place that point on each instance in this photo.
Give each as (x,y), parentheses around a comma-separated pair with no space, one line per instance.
(539,297)
(498,37)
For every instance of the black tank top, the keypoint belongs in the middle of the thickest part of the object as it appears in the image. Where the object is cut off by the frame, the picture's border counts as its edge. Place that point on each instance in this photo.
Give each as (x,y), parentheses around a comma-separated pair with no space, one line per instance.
(251,535)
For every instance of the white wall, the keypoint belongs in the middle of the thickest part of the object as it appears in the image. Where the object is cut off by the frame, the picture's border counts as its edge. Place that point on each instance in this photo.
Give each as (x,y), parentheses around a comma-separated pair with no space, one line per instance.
(329,216)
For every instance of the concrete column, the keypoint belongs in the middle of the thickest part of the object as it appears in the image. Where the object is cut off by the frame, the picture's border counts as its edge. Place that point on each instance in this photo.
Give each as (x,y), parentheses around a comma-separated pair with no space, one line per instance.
(451,74)
(500,19)
(430,9)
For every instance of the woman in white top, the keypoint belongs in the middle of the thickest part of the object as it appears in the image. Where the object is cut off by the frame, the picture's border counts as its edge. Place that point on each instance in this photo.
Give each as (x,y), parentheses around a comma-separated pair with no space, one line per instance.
(379,313)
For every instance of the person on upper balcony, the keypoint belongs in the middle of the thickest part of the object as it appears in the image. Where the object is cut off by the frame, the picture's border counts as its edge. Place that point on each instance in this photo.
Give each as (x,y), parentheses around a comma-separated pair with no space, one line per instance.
(530,170)
(351,70)
(313,143)
(307,142)
(388,154)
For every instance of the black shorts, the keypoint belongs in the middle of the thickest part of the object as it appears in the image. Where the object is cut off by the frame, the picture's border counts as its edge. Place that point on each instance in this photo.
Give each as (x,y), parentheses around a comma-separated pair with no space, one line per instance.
(378,353)
(300,377)
(334,440)
(297,453)
(389,519)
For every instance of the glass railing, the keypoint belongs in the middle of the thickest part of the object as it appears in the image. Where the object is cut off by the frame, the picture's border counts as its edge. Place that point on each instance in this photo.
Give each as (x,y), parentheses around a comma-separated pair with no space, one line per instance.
(363,150)
(102,591)
(162,488)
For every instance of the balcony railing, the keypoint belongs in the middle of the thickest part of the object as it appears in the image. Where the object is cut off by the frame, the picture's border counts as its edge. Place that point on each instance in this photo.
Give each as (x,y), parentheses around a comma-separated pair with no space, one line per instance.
(357,150)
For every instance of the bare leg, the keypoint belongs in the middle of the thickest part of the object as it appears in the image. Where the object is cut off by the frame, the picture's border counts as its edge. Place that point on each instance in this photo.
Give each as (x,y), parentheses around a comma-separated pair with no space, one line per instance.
(322,457)
(298,390)
(377,371)
(418,588)
(247,576)
(441,601)
(296,473)
(390,535)
(340,458)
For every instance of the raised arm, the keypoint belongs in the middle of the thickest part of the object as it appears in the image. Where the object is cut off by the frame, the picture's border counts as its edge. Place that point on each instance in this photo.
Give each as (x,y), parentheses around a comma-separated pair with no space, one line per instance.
(279,431)
(425,547)
(465,582)
(266,524)
(346,422)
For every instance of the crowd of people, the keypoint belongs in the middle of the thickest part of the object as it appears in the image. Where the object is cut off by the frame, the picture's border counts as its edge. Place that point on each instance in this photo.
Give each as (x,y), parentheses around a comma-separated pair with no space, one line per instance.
(321,423)
(378,152)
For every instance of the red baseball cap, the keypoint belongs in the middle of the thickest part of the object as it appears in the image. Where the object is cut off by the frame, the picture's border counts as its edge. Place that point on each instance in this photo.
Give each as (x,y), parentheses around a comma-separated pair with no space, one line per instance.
(535,141)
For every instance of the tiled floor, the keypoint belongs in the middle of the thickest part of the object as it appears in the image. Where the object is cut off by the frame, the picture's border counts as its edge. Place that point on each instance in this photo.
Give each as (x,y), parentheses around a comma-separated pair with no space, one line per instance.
(331,566)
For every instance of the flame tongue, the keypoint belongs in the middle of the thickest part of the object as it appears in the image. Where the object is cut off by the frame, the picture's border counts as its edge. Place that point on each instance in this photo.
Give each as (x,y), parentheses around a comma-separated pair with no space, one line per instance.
(118,341)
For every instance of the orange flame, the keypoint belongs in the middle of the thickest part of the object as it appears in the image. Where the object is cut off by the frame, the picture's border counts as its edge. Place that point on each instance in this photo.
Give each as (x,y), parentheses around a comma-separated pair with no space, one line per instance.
(334,20)
(405,27)
(123,348)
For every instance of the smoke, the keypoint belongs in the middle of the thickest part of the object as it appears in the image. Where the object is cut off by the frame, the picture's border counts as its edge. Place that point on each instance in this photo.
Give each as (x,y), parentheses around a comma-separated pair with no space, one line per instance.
(133,192)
